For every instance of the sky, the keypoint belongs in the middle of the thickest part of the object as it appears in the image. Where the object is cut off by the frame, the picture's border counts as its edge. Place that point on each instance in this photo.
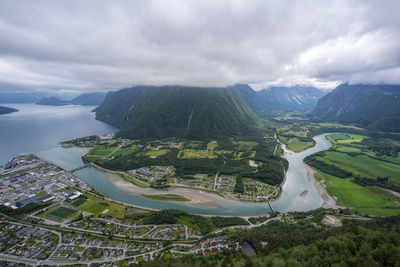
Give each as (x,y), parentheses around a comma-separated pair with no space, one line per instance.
(83,46)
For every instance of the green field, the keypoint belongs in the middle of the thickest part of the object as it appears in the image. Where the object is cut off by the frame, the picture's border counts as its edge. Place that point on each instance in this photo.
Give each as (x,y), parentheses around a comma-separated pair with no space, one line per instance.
(156,153)
(125,151)
(196,154)
(371,200)
(101,150)
(297,145)
(362,165)
(333,125)
(349,156)
(97,206)
(78,202)
(166,197)
(246,145)
(62,212)
(212,145)
(193,144)
(347,149)
(94,207)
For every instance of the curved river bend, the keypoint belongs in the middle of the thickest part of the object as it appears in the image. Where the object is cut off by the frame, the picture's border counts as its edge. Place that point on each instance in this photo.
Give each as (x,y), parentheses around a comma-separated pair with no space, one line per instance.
(297,181)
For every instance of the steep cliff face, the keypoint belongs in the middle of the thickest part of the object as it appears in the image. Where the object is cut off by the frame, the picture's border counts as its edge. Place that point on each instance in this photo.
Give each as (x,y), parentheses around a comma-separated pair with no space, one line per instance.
(374,106)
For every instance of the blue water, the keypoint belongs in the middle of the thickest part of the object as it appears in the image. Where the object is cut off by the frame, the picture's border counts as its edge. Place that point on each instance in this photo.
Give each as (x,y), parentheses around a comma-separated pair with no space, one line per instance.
(37,128)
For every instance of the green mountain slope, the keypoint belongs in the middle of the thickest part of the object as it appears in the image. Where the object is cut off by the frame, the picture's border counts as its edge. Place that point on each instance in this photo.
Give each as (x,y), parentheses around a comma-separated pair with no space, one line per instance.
(177,111)
(373,106)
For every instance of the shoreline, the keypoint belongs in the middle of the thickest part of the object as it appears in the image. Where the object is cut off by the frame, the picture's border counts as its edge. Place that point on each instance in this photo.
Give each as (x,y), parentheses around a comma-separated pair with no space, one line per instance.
(202,198)
(329,201)
(197,197)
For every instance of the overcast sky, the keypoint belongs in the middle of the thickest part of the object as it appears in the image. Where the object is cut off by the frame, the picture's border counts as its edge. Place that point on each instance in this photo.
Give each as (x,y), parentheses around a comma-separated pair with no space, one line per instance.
(101,45)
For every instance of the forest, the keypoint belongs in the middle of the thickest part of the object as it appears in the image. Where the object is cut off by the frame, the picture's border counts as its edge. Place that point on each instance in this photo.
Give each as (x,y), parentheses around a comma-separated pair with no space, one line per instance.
(371,242)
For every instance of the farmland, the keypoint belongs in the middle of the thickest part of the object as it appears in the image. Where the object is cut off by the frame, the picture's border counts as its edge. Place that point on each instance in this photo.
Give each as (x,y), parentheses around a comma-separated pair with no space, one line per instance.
(371,170)
(296,145)
(196,154)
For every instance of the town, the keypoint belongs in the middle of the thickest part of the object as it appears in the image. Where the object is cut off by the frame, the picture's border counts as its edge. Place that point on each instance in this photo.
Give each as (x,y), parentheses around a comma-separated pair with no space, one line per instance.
(51,217)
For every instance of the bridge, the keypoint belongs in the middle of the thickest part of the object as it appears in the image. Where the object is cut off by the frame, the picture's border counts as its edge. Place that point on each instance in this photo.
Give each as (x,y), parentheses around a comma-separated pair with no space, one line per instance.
(79,168)
(269,204)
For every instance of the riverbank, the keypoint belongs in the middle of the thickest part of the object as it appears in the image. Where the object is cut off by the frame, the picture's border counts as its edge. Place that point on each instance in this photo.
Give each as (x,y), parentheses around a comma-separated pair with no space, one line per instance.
(115,185)
(329,201)
(196,197)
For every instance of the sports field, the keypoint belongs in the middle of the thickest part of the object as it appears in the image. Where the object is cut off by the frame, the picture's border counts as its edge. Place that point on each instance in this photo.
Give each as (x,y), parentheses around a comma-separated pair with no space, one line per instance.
(62,212)
(97,206)
(78,202)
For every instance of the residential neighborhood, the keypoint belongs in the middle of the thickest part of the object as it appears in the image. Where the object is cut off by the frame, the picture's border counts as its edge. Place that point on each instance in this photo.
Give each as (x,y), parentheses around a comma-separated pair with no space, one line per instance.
(65,226)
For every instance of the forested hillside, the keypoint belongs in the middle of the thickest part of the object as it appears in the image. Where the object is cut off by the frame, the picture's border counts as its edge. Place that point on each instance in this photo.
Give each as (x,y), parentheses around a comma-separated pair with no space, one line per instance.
(177,111)
(374,242)
(374,106)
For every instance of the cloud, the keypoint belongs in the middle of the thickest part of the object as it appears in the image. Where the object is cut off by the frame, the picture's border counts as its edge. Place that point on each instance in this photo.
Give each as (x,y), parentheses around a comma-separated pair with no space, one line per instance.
(101,45)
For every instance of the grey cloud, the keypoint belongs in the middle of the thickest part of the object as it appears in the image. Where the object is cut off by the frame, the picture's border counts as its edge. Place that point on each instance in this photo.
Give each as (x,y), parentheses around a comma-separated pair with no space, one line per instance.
(98,44)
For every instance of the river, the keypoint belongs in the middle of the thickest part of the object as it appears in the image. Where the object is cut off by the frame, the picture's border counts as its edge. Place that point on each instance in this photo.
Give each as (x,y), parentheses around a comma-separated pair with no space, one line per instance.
(297,181)
(38,129)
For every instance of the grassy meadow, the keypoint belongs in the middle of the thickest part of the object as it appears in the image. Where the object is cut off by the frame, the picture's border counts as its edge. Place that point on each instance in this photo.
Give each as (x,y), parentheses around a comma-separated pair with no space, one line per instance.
(351,154)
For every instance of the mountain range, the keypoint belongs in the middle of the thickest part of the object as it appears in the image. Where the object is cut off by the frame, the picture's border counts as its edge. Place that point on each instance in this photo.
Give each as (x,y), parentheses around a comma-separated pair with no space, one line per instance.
(376,107)
(88,99)
(273,99)
(177,111)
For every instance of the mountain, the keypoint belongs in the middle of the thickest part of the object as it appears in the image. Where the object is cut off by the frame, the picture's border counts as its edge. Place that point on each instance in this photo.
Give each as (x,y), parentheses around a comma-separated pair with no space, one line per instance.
(374,106)
(88,99)
(272,99)
(5,110)
(291,98)
(253,99)
(177,111)
(51,101)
